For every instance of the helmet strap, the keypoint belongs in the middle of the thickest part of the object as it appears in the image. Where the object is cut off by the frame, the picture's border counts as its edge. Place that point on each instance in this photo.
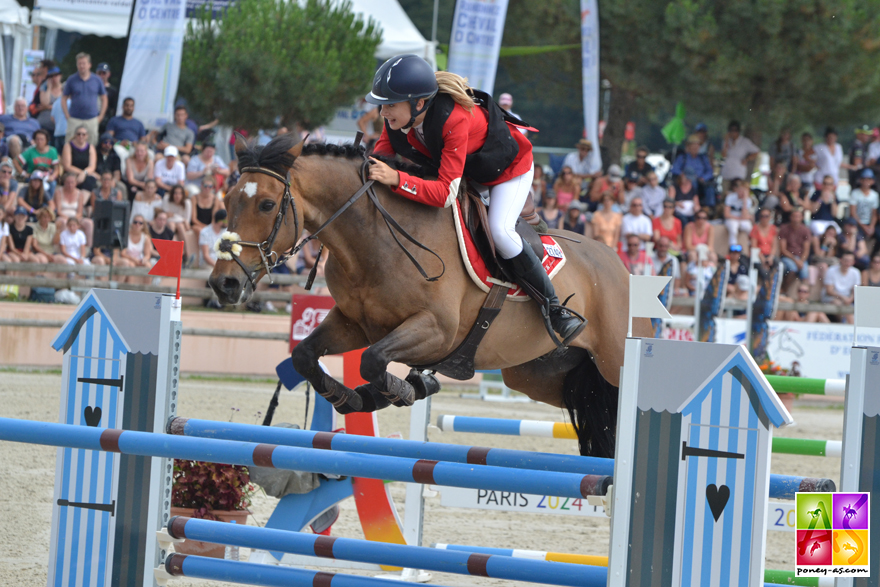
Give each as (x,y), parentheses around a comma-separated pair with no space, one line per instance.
(415,113)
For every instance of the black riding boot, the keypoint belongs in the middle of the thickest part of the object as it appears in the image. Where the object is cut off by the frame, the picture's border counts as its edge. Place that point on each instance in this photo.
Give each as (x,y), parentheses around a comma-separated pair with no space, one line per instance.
(530,274)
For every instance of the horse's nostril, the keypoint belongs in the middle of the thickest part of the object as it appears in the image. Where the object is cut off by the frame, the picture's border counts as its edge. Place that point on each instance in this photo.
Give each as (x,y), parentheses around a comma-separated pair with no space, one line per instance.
(230,284)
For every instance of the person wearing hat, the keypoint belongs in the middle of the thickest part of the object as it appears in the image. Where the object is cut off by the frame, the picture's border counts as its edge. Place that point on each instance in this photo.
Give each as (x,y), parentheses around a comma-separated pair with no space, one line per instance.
(33,196)
(505,100)
(581,162)
(698,166)
(50,91)
(103,71)
(858,153)
(108,159)
(86,91)
(640,166)
(863,204)
(21,238)
(437,120)
(169,171)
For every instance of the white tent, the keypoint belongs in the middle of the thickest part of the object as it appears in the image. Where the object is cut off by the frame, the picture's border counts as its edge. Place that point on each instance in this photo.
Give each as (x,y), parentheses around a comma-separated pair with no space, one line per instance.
(16,37)
(102,17)
(399,34)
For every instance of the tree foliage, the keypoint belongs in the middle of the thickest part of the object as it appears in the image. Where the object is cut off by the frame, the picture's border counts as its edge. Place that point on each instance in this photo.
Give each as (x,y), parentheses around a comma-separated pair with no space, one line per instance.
(267,59)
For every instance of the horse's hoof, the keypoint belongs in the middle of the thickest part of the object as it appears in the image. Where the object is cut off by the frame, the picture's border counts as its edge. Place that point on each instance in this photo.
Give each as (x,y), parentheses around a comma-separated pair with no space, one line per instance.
(424,384)
(341,396)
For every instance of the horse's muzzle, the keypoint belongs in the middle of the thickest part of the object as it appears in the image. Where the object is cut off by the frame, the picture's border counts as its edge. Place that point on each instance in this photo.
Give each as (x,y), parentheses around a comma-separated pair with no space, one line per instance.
(230,288)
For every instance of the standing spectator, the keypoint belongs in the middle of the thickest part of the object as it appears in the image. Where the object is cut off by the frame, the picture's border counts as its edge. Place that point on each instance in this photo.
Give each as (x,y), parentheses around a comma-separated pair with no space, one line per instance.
(763,238)
(694,165)
(48,97)
(606,222)
(806,161)
(8,189)
(505,100)
(738,210)
(206,164)
(662,257)
(206,206)
(169,171)
(177,134)
(738,151)
(840,282)
(59,120)
(107,159)
(85,91)
(829,158)
(574,219)
(794,247)
(21,238)
(580,162)
(126,129)
(103,71)
(636,260)
(550,212)
(146,202)
(823,206)
(208,237)
(863,204)
(640,168)
(782,151)
(19,128)
(698,232)
(706,148)
(566,187)
(669,227)
(138,169)
(636,223)
(858,153)
(653,195)
(683,192)
(71,244)
(38,77)
(80,157)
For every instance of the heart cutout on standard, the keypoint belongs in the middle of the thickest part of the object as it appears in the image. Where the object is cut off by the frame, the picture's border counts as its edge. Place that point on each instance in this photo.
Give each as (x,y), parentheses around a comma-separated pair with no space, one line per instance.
(92,416)
(717,497)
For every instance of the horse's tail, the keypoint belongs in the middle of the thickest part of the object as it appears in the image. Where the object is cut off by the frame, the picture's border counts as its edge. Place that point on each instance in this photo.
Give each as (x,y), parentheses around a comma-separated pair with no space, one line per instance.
(592,406)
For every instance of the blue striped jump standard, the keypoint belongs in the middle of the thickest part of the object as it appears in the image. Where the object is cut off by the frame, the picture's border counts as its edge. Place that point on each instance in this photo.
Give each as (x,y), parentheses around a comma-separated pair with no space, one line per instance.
(781,486)
(399,555)
(303,459)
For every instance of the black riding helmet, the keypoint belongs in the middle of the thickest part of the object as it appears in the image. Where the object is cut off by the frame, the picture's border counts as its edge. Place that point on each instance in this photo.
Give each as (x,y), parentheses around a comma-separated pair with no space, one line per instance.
(404,78)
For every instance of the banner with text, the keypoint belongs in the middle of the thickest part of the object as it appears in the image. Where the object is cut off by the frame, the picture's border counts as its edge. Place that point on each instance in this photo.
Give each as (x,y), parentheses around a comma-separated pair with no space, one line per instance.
(100,6)
(590,65)
(152,64)
(477,29)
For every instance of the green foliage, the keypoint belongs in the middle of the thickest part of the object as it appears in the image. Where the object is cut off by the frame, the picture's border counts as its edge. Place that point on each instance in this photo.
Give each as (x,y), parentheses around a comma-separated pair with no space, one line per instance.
(269,58)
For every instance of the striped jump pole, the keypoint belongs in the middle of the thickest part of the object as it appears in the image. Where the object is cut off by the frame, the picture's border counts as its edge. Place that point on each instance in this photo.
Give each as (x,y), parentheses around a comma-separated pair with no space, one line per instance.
(506,427)
(804,446)
(399,555)
(304,459)
(783,384)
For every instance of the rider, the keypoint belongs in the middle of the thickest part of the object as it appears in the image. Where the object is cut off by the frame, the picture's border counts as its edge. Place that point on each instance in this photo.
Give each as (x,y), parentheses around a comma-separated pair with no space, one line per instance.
(435,119)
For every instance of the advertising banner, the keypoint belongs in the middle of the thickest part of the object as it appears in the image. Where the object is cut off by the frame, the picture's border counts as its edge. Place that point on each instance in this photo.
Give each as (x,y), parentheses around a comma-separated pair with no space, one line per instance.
(307,311)
(98,6)
(590,64)
(152,64)
(477,29)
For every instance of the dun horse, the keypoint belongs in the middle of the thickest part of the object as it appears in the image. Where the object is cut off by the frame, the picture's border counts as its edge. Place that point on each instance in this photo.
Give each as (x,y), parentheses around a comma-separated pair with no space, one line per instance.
(385,305)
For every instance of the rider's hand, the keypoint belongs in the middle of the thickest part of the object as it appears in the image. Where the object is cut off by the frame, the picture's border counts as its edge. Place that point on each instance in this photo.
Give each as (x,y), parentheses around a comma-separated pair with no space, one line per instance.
(383,173)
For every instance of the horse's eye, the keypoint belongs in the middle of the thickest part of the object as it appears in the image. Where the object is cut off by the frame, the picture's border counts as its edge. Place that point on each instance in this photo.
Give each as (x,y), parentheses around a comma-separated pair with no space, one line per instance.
(267,205)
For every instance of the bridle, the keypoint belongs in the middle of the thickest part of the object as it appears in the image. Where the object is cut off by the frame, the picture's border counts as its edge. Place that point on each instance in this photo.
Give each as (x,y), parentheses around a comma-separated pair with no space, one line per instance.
(270,259)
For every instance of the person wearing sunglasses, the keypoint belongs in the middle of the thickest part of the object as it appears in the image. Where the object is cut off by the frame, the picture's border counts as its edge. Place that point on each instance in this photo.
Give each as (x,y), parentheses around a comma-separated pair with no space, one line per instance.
(80,158)
(138,250)
(640,168)
(108,159)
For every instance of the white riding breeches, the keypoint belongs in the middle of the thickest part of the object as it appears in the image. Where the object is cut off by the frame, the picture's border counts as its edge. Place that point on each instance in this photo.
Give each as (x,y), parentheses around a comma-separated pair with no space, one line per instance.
(506,201)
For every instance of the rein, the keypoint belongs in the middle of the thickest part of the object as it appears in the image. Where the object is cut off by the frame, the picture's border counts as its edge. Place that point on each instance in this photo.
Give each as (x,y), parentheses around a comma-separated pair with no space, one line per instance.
(267,255)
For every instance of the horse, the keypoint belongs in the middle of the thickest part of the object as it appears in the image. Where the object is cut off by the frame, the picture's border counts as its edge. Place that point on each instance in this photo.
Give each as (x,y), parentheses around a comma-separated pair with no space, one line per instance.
(385,306)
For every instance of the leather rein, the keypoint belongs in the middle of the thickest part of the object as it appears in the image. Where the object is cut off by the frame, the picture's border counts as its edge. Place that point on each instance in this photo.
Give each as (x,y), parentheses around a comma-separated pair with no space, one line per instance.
(270,259)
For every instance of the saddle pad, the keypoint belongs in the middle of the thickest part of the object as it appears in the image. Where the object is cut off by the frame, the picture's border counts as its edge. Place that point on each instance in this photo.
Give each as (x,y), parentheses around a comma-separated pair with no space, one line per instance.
(553,261)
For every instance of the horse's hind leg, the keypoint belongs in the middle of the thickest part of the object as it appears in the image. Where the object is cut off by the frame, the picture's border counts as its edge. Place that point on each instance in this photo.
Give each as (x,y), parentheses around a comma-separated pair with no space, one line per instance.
(418,337)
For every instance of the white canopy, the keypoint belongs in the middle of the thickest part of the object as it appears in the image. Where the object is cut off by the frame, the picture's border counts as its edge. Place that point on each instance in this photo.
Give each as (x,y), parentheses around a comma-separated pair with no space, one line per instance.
(399,34)
(14,24)
(87,23)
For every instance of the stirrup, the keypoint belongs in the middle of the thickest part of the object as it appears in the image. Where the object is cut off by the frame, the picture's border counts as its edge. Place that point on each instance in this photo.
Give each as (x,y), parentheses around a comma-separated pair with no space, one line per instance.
(545,312)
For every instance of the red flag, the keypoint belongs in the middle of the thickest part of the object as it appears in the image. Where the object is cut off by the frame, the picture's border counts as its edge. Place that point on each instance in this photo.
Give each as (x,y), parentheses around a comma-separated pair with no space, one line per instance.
(170,258)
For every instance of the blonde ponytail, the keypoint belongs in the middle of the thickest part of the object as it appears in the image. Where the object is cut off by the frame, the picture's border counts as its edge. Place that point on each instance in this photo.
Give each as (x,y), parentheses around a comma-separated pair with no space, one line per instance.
(456,86)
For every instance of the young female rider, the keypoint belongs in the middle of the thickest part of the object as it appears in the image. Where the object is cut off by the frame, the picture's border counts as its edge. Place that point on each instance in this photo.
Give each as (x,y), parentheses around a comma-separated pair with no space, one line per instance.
(433,119)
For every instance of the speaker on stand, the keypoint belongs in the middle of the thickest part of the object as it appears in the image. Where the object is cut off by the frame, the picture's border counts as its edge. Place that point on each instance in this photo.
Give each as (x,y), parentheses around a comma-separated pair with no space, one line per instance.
(111,226)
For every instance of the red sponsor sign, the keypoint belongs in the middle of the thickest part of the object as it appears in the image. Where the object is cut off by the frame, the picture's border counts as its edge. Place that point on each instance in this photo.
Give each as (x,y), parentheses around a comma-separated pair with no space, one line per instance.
(307,312)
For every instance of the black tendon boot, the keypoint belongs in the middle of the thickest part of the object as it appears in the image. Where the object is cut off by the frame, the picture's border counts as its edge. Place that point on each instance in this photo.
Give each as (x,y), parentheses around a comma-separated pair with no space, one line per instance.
(530,274)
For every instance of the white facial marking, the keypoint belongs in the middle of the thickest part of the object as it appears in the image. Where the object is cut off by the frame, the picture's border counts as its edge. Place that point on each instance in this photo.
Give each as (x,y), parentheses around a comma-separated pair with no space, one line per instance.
(250,188)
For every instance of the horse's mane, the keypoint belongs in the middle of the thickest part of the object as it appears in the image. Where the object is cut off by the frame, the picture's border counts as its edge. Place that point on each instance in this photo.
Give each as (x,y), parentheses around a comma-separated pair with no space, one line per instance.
(275,157)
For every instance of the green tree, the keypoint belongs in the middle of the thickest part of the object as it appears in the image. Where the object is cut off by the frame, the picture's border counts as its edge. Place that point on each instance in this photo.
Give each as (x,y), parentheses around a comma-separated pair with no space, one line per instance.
(266,59)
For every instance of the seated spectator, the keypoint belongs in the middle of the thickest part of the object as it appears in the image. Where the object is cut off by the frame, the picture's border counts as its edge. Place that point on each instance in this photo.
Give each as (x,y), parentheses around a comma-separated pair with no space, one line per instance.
(4,236)
(763,238)
(79,157)
(706,147)
(581,163)
(44,236)
(8,188)
(695,165)
(794,248)
(138,169)
(640,168)
(126,129)
(169,171)
(176,134)
(704,270)
(823,207)
(698,232)
(106,191)
(209,235)
(661,257)
(790,198)
(567,188)
(863,204)
(146,202)
(574,219)
(179,208)
(159,228)
(613,183)
(71,244)
(852,241)
(687,203)
(138,251)
(738,289)
(205,207)
(803,297)
(550,212)
(631,188)
(825,250)
(107,159)
(206,164)
(606,222)
(307,257)
(782,152)
(653,195)
(41,155)
(33,196)
(871,275)
(634,222)
(739,266)
(20,241)
(636,259)
(805,164)
(19,128)
(669,227)
(840,281)
(539,182)
(738,210)
(70,202)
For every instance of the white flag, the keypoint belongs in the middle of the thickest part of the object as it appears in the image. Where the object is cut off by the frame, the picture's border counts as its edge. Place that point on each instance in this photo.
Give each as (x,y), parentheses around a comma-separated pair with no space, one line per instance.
(590,75)
(643,300)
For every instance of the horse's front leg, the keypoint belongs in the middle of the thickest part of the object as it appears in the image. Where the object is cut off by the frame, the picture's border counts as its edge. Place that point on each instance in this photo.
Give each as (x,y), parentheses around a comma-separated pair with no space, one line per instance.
(335,335)
(410,343)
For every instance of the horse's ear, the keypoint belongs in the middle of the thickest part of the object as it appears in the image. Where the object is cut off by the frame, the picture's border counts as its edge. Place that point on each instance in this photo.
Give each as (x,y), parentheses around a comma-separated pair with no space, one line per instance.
(297,149)
(240,142)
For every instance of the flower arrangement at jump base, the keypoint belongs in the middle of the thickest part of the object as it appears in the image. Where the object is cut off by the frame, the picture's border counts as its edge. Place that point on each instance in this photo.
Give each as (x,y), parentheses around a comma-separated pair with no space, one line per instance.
(769,367)
(210,491)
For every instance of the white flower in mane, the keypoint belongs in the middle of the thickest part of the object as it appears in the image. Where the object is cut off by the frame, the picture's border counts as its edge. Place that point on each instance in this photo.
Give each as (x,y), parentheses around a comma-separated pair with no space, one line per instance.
(235,248)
